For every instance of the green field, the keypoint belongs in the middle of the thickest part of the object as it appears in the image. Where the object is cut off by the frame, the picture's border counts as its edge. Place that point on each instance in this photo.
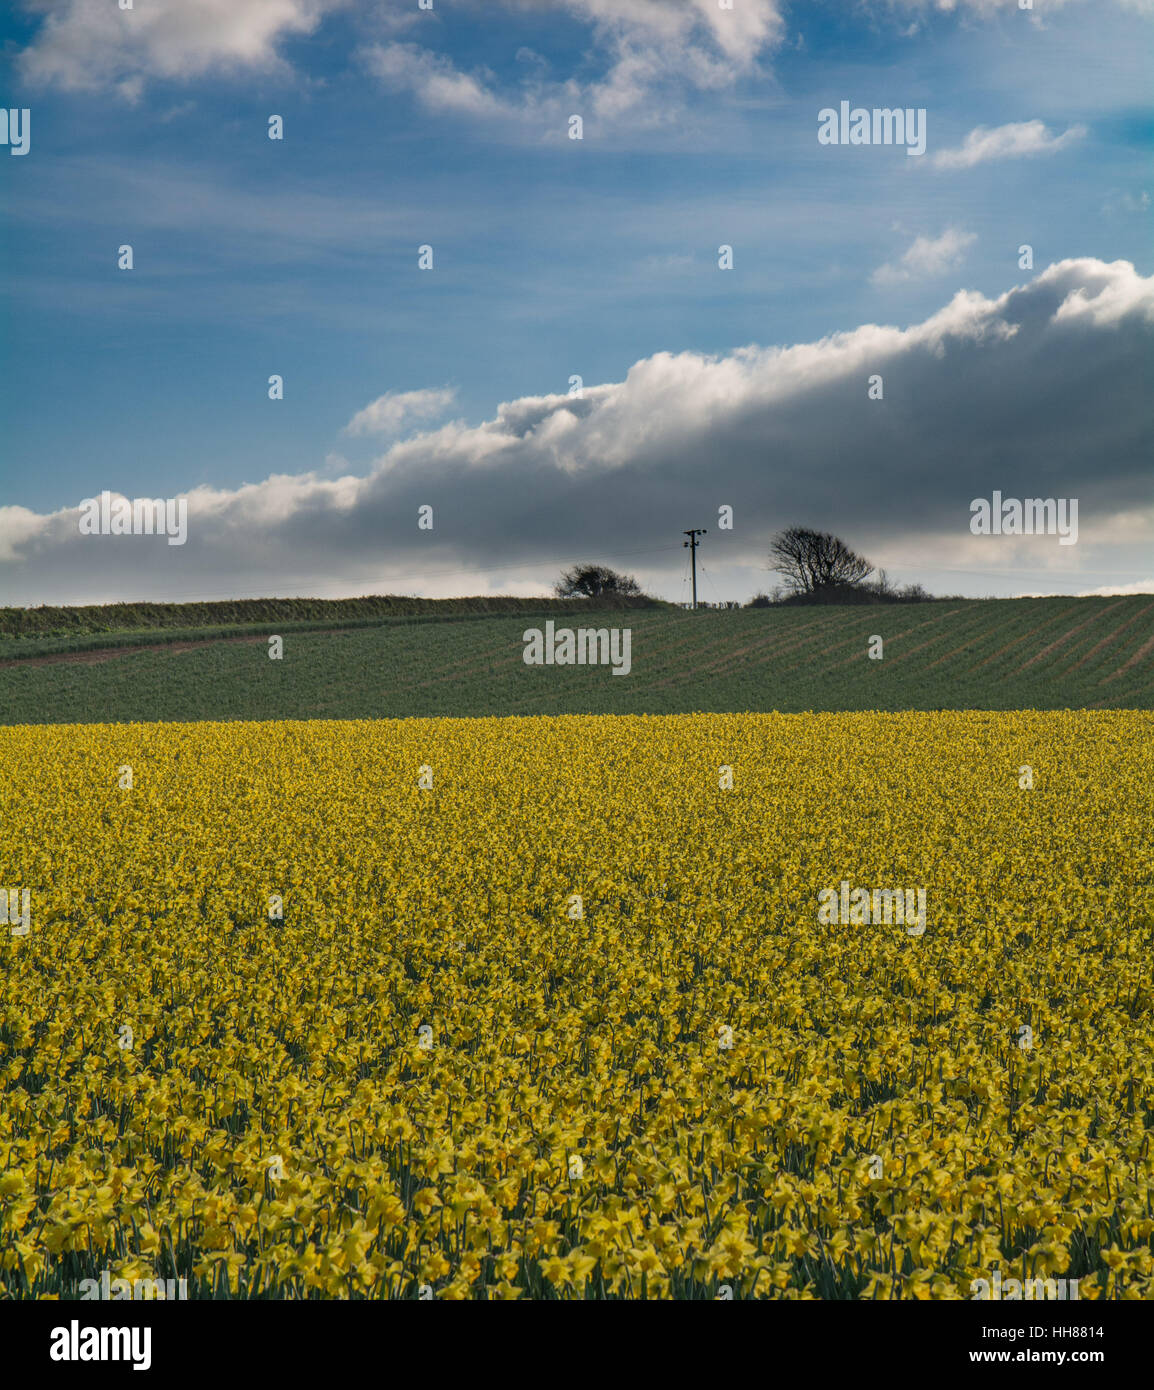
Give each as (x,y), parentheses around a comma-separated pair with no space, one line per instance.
(111,619)
(1052,653)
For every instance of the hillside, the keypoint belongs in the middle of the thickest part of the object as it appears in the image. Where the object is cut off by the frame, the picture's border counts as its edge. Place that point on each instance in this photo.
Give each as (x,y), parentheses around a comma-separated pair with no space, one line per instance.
(112,618)
(1048,653)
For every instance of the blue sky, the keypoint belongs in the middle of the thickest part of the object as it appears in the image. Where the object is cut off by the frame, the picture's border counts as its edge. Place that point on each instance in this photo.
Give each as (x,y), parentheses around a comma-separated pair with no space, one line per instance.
(552,257)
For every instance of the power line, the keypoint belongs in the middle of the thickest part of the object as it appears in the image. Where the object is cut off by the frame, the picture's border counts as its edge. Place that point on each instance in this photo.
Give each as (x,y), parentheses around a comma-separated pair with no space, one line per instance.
(707,575)
(684,581)
(693,543)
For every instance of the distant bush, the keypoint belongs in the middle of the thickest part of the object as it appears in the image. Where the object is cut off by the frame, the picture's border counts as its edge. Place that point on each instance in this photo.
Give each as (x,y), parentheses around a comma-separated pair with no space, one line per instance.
(596,581)
(817,567)
(833,593)
(874,593)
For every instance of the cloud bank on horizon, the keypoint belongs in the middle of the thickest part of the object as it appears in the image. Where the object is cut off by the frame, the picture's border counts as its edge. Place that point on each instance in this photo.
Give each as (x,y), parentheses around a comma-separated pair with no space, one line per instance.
(775,433)
(782,387)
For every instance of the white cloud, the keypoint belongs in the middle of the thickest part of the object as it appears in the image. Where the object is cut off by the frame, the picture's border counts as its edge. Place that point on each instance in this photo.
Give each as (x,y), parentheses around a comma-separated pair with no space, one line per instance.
(1140,586)
(1006,142)
(1105,295)
(1040,391)
(433,79)
(928,256)
(389,412)
(18,525)
(652,53)
(89,45)
(645,47)
(86,45)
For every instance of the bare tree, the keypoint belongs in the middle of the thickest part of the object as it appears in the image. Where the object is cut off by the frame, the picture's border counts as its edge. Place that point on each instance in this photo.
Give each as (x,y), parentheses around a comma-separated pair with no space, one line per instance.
(813,560)
(592,581)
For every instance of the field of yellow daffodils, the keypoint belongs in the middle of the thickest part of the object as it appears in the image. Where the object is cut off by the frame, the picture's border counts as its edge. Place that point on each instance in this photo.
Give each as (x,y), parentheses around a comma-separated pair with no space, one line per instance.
(536,1008)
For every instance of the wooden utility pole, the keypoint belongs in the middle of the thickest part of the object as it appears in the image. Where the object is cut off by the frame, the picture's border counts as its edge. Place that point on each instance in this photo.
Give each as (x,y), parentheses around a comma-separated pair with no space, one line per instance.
(693,543)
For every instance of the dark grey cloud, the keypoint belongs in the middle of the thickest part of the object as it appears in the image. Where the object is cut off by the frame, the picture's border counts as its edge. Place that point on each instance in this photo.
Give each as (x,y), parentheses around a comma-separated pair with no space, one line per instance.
(1042,392)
